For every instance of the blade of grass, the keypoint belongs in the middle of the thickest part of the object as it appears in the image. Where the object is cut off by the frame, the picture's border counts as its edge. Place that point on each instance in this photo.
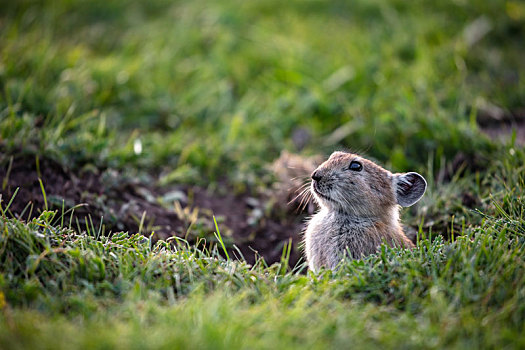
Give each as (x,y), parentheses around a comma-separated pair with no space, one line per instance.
(43,190)
(7,174)
(10,202)
(141,224)
(219,237)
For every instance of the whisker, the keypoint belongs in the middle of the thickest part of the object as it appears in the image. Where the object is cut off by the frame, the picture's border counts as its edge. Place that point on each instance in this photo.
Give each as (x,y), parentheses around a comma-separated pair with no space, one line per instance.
(309,197)
(299,195)
(306,199)
(301,188)
(306,177)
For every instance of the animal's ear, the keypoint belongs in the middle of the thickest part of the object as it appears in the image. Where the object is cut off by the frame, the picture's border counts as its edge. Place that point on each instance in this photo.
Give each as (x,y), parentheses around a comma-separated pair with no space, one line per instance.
(410,187)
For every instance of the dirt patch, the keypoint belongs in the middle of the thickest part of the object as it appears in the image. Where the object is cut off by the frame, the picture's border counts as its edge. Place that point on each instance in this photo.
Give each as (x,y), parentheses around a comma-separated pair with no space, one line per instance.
(499,124)
(255,226)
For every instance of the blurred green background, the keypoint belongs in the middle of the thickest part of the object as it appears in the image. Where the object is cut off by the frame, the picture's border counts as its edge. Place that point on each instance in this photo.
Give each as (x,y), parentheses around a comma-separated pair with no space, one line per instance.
(208,90)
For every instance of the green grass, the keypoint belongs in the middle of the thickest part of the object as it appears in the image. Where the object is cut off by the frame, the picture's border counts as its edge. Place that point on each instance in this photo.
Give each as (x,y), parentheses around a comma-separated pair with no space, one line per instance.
(62,289)
(217,89)
(213,92)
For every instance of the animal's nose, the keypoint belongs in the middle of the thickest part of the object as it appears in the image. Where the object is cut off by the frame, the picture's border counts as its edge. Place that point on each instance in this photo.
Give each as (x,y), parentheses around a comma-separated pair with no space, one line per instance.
(316,175)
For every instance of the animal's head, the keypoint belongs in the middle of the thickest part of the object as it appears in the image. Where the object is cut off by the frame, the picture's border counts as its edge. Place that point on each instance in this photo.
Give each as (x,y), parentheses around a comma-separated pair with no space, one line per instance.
(349,183)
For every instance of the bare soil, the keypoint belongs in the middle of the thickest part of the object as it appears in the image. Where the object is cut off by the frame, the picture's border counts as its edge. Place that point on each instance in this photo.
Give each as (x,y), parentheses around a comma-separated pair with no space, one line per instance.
(500,125)
(122,202)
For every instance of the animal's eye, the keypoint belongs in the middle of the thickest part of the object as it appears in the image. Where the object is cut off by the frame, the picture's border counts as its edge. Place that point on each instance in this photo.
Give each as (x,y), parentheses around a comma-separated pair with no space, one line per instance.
(355,166)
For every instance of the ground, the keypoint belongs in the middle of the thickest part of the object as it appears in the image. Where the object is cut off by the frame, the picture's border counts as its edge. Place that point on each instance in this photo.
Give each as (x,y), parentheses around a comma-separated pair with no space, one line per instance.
(104,197)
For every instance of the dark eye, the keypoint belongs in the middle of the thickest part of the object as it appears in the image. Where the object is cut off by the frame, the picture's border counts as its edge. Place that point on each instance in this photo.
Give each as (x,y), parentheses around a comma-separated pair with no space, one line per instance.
(355,166)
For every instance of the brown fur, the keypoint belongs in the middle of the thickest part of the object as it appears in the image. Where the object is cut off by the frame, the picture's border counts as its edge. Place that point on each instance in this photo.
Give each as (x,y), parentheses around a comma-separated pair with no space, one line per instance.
(359,210)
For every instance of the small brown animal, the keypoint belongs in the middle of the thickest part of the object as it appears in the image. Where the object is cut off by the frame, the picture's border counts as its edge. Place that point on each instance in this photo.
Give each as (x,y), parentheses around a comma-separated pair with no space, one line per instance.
(359,209)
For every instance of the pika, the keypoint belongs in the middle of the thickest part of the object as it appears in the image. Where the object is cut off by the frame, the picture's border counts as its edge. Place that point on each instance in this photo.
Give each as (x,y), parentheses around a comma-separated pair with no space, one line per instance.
(359,209)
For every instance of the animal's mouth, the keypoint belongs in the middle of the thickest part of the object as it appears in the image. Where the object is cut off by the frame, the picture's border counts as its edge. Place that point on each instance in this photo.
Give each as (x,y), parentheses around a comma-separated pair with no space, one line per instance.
(318,192)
